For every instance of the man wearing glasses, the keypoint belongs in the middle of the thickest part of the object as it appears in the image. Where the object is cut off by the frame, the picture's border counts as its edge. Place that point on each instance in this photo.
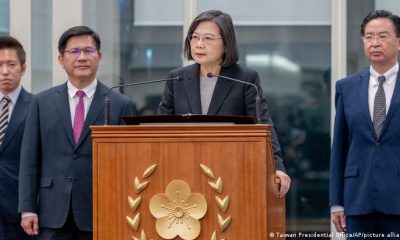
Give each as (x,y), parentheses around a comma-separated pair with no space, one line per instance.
(56,157)
(365,157)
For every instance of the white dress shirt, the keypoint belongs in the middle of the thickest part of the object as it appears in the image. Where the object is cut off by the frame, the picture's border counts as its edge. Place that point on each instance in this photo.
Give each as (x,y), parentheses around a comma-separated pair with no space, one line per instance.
(14,97)
(87,99)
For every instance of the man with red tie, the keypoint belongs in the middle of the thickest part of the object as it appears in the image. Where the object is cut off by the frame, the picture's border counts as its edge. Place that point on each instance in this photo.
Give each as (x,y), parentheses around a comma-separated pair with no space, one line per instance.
(56,158)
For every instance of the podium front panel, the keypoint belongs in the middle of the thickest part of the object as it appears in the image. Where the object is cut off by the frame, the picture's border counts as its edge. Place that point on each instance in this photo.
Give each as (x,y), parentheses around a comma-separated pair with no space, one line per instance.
(132,164)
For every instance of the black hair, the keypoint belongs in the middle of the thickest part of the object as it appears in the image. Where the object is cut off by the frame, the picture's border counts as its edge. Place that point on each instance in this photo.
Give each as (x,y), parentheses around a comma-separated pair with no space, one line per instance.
(225,25)
(382,14)
(77,31)
(8,42)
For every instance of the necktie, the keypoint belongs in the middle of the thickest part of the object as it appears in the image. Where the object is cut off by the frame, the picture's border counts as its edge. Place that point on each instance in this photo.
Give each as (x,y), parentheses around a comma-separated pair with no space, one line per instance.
(379,107)
(4,117)
(79,116)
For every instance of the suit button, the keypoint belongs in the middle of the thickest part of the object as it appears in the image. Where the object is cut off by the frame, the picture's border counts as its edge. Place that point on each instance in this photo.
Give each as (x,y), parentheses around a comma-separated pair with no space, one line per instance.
(378,145)
(75,156)
(69,179)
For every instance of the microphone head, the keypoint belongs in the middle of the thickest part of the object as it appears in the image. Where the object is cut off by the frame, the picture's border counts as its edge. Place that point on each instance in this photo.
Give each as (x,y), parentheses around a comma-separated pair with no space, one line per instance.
(179,78)
(210,75)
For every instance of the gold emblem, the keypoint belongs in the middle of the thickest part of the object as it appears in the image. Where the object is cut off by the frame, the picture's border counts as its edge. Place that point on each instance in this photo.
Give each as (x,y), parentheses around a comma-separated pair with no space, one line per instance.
(147,173)
(134,223)
(216,186)
(223,223)
(134,203)
(142,236)
(207,171)
(139,186)
(222,203)
(178,211)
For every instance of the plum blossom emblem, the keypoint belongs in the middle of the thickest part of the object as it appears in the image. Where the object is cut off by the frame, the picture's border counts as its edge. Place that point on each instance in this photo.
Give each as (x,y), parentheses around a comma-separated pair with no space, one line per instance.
(178,211)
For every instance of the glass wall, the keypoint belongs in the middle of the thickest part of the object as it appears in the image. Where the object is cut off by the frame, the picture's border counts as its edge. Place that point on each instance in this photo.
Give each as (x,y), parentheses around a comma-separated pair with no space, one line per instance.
(151,47)
(42,51)
(4,17)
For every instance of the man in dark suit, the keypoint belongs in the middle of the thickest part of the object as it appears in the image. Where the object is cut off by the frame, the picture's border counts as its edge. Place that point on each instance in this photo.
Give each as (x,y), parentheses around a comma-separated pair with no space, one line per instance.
(56,157)
(14,106)
(365,162)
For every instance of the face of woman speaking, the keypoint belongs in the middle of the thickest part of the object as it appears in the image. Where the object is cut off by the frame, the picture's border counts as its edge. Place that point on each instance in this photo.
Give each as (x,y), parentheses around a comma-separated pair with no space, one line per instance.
(207,46)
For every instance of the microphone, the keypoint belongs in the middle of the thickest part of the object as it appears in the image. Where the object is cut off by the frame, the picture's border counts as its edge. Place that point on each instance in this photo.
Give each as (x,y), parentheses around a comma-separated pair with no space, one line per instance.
(108,100)
(258,99)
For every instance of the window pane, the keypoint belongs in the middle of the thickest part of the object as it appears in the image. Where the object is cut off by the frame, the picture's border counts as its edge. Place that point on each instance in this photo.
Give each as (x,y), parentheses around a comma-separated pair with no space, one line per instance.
(294,66)
(4,17)
(272,12)
(41,45)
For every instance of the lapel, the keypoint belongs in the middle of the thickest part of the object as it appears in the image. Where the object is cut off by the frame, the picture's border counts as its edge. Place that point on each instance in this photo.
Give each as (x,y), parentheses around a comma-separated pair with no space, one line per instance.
(192,87)
(18,117)
(96,108)
(222,88)
(62,105)
(394,104)
(363,94)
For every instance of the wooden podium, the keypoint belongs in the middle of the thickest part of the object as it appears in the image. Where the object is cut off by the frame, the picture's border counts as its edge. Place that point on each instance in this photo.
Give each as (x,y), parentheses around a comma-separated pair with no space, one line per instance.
(131,164)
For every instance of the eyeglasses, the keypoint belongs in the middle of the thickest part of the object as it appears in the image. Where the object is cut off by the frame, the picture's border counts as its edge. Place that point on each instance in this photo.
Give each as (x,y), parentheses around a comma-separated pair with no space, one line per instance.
(76,52)
(194,39)
(380,38)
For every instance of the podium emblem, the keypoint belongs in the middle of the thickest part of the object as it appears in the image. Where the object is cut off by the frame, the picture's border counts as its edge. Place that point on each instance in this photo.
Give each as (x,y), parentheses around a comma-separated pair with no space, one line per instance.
(178,211)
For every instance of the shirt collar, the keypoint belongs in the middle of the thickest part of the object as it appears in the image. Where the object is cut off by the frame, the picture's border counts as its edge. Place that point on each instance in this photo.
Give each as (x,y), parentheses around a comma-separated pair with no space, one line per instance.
(89,90)
(13,95)
(390,75)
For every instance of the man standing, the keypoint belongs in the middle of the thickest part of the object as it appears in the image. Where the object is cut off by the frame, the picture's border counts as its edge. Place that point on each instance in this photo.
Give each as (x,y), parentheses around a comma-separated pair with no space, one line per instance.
(365,157)
(56,158)
(14,106)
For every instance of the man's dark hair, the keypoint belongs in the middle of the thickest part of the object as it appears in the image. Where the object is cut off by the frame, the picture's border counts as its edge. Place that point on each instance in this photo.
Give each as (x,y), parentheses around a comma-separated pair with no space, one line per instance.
(382,14)
(225,25)
(77,31)
(8,42)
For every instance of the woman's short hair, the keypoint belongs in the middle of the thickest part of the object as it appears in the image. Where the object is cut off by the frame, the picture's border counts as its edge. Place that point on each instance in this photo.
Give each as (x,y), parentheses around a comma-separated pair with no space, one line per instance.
(225,25)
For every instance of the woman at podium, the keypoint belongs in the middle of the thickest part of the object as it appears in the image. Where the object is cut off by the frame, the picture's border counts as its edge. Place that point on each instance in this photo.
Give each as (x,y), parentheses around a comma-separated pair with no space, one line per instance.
(215,84)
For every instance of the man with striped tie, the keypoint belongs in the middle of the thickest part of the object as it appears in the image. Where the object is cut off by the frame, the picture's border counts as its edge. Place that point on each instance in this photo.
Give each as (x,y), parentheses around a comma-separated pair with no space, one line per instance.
(365,166)
(14,106)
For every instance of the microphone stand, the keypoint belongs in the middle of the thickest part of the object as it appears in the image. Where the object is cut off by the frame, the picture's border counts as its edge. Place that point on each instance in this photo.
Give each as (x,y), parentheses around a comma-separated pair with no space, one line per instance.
(258,99)
(108,100)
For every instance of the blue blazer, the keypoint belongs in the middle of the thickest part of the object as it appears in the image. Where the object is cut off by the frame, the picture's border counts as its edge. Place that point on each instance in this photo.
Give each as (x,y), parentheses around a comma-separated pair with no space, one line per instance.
(55,173)
(365,170)
(229,98)
(10,157)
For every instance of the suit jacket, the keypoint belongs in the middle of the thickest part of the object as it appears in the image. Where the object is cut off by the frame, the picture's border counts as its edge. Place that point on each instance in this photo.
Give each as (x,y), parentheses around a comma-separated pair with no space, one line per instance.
(229,97)
(10,157)
(56,173)
(365,170)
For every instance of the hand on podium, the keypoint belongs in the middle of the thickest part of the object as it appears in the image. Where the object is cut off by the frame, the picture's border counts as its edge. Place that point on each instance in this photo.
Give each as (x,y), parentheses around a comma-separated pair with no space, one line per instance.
(284,183)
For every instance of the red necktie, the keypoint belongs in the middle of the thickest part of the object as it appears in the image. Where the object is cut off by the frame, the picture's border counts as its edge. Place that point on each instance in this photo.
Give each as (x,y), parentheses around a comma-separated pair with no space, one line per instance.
(79,116)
